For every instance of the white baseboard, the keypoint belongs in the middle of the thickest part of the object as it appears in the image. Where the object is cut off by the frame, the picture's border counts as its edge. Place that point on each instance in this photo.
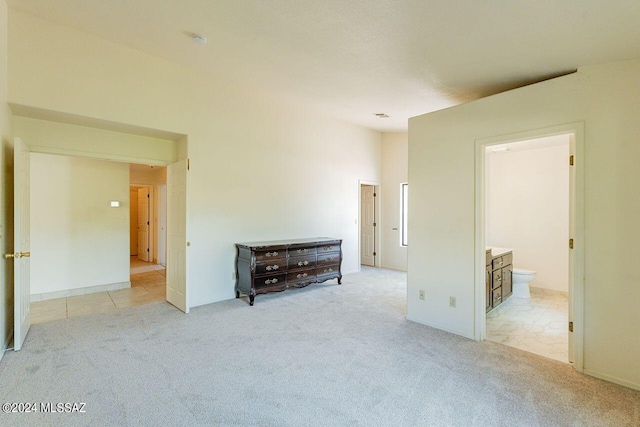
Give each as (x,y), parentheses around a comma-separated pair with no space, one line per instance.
(79,291)
(6,345)
(451,331)
(611,379)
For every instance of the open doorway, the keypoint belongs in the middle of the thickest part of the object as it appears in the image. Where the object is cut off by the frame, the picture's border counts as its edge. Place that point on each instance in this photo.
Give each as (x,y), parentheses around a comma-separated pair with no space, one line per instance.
(147,231)
(528,221)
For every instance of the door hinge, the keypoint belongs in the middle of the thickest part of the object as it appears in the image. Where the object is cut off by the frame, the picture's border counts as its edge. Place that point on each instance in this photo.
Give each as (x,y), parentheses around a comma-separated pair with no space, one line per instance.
(374,194)
(188,164)
(570,326)
(148,197)
(374,254)
(375,225)
(147,249)
(147,222)
(570,160)
(570,243)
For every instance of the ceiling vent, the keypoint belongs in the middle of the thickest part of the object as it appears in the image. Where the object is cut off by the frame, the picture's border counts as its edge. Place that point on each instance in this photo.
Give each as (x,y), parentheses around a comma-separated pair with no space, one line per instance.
(381,115)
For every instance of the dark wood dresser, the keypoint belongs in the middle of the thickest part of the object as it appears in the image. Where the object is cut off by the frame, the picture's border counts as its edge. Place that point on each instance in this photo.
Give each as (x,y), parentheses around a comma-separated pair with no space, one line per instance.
(263,267)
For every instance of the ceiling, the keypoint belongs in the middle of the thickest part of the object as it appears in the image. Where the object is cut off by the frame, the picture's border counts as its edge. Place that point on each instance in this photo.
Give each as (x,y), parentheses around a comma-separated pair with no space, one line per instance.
(352,59)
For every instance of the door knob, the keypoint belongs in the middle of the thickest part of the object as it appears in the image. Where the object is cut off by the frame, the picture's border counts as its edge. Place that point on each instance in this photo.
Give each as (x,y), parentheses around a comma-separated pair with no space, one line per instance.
(18,255)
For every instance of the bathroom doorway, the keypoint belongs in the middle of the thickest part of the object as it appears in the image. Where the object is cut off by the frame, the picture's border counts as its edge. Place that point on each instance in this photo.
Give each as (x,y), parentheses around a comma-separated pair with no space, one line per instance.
(369,236)
(527,217)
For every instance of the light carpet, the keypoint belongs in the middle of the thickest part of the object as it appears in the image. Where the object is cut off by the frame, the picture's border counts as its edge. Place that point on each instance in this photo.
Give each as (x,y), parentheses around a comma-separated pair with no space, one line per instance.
(323,355)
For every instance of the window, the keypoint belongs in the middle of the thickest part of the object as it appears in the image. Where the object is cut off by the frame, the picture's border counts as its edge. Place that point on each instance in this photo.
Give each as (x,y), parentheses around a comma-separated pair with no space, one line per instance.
(404,193)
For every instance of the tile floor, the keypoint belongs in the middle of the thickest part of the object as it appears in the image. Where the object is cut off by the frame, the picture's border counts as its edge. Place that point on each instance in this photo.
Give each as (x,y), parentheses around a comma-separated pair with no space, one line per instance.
(148,285)
(537,325)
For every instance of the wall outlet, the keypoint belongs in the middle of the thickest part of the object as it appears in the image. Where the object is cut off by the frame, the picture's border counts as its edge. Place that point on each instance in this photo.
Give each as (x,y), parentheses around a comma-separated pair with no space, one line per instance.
(421,294)
(452,302)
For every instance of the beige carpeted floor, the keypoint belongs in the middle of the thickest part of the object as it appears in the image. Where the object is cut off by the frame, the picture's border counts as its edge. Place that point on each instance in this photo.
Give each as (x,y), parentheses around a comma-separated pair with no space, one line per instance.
(323,355)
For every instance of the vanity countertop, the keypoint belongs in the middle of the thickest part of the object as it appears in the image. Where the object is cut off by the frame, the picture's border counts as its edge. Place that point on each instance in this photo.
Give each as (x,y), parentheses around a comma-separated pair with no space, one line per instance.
(499,251)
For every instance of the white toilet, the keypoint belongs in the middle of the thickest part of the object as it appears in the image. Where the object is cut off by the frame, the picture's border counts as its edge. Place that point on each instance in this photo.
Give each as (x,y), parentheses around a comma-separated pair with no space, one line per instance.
(520,279)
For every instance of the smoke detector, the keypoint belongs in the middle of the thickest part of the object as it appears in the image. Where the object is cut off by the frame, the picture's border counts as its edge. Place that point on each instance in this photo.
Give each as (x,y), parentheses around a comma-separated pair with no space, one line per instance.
(198,39)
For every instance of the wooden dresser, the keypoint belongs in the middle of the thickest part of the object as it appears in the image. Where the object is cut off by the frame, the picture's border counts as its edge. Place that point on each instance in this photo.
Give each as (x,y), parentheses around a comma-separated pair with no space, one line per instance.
(263,267)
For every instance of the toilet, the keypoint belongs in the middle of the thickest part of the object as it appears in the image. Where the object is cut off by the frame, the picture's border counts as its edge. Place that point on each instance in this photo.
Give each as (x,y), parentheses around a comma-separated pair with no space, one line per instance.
(520,279)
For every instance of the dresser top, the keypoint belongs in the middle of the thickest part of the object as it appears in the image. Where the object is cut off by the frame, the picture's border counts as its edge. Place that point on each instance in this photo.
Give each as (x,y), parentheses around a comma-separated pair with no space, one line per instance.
(308,240)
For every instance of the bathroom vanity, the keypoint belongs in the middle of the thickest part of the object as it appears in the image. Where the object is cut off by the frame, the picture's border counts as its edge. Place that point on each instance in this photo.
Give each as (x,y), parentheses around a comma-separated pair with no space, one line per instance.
(499,268)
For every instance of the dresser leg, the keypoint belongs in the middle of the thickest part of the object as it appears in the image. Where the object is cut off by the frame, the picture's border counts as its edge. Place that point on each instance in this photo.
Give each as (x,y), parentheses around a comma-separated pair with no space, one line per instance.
(339,280)
(237,294)
(251,297)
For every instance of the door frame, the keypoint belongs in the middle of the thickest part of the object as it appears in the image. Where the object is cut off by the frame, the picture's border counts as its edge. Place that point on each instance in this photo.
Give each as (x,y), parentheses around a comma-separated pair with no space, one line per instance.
(576,231)
(152,219)
(377,260)
(123,159)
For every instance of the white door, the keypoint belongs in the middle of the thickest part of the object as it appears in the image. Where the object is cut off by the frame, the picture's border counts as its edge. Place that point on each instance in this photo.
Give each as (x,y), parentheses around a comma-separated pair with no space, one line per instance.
(143,224)
(177,235)
(162,225)
(367,225)
(22,290)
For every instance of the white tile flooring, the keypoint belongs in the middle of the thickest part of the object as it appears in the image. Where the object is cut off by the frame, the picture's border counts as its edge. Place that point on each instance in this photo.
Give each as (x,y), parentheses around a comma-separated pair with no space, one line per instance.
(538,325)
(148,285)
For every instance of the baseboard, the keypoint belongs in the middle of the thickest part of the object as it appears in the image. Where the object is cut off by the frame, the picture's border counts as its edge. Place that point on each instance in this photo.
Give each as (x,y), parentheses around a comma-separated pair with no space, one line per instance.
(611,379)
(404,270)
(6,345)
(79,291)
(471,337)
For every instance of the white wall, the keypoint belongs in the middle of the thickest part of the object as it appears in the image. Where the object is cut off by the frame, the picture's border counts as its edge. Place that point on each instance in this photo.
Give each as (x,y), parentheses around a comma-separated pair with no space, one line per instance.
(77,239)
(395,148)
(63,138)
(528,210)
(442,175)
(261,168)
(6,192)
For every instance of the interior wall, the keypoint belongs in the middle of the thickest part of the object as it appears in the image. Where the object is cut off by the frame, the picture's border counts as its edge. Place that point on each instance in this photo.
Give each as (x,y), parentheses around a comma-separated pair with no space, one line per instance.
(6,191)
(77,239)
(262,168)
(395,147)
(442,168)
(528,211)
(70,139)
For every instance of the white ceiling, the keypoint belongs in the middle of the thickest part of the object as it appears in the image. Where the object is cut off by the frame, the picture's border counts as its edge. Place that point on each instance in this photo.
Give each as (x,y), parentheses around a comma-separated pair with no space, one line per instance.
(354,58)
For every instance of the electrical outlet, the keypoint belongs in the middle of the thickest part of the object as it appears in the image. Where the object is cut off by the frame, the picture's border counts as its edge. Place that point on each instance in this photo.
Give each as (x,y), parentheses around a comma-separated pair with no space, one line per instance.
(452,302)
(421,294)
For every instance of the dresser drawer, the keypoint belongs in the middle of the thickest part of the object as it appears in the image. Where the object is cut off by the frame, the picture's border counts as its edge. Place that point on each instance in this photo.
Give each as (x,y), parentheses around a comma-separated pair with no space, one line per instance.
(271,280)
(496,296)
(266,266)
(328,258)
(302,261)
(302,251)
(301,278)
(328,270)
(497,279)
(331,247)
(271,254)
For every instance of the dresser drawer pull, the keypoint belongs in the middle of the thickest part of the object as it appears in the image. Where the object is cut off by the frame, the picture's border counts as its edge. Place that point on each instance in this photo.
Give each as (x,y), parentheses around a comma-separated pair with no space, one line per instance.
(301,263)
(270,281)
(498,279)
(271,254)
(302,276)
(328,270)
(329,259)
(272,267)
(302,251)
(328,248)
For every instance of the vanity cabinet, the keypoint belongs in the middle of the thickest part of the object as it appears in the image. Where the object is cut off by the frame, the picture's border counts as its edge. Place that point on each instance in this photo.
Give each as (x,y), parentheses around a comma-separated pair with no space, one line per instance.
(263,267)
(501,270)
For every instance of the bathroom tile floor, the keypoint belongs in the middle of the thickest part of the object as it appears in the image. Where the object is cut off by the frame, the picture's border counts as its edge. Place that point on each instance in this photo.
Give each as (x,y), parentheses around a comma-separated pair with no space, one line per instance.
(537,325)
(148,285)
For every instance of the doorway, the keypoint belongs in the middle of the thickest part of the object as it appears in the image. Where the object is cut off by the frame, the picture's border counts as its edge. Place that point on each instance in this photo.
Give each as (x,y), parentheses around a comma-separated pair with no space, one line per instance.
(369,209)
(513,199)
